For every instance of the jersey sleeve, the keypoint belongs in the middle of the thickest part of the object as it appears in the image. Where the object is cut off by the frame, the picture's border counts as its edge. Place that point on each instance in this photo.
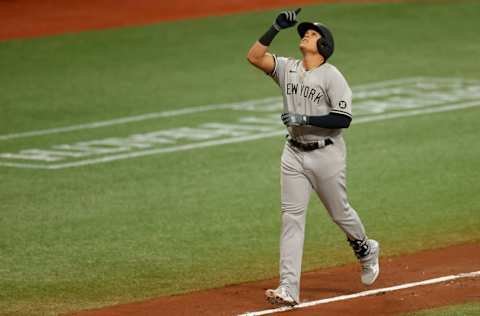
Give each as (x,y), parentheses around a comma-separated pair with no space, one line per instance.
(278,73)
(340,94)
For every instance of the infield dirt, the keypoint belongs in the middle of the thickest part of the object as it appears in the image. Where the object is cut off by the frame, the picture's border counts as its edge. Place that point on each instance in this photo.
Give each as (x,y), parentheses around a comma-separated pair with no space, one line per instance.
(30,18)
(344,280)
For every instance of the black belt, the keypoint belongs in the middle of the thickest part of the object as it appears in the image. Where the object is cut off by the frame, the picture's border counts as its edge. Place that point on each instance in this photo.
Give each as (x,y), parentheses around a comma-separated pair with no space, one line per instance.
(309,146)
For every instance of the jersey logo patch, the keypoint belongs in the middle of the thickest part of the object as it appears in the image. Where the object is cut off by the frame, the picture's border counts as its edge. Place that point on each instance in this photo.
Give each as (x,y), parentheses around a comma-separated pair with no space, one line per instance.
(342,104)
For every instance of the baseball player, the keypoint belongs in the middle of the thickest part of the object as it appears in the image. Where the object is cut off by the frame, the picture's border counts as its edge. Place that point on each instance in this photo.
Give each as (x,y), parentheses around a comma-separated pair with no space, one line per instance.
(317,105)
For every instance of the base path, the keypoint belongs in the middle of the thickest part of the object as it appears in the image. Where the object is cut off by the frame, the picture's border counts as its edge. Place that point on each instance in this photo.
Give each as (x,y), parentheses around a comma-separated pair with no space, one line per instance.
(333,282)
(33,18)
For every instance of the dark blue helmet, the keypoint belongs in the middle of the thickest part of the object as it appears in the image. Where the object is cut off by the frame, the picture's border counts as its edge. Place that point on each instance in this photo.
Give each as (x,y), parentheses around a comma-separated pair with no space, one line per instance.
(325,44)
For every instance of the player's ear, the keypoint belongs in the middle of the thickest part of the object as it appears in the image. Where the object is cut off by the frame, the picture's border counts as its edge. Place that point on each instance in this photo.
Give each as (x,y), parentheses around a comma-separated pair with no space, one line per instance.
(320,44)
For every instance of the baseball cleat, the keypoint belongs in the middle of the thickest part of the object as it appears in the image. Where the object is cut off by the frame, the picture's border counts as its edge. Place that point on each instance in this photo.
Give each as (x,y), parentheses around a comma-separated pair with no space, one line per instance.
(370,265)
(279,296)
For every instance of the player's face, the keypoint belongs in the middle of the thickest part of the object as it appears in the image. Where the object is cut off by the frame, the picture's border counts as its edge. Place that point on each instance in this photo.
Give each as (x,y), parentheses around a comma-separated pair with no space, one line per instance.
(309,41)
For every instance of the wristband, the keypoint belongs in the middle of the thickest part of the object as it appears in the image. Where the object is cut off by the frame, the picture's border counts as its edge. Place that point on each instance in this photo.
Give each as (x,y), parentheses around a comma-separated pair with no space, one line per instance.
(268,37)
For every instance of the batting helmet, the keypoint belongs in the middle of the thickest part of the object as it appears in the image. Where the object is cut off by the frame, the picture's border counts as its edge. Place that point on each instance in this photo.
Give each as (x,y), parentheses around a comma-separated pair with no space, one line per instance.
(325,44)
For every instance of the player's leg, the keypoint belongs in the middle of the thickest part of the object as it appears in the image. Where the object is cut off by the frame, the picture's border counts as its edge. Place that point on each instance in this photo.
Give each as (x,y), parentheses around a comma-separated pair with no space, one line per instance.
(295,194)
(327,171)
(333,194)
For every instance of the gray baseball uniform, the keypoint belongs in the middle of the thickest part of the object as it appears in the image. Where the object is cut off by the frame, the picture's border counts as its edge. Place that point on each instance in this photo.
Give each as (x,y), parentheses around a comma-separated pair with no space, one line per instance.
(320,91)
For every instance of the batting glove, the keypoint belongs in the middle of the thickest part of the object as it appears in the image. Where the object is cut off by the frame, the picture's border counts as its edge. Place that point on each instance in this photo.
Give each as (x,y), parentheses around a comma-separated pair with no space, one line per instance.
(286,19)
(292,119)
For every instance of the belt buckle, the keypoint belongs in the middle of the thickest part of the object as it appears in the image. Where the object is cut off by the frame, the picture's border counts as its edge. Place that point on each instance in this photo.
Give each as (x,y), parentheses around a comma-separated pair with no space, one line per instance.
(312,146)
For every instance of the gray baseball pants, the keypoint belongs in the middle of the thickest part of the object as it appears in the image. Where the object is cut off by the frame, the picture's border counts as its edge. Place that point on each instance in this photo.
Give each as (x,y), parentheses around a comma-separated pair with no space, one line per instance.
(323,171)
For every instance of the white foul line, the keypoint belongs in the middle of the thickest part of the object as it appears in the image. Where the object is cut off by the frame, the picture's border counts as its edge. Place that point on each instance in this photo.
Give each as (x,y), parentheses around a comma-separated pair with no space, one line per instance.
(189,110)
(164,150)
(360,120)
(366,293)
(392,115)
(137,118)
(122,120)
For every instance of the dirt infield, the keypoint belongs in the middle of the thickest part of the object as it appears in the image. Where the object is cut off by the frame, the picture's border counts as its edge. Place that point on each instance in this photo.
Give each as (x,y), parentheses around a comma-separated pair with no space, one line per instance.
(33,18)
(237,299)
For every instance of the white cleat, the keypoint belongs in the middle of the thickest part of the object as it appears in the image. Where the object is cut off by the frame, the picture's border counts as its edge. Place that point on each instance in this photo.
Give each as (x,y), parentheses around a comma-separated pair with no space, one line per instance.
(279,296)
(370,266)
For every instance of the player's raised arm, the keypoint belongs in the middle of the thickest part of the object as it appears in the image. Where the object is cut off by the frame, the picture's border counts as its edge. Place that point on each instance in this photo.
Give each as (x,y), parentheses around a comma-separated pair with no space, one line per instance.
(258,54)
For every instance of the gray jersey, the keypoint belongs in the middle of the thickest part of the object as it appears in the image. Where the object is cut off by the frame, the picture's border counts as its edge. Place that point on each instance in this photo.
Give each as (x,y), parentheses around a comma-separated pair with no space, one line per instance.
(319,91)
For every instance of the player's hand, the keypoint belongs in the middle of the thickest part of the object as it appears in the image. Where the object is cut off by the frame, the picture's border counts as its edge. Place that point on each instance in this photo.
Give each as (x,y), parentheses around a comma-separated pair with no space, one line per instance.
(292,119)
(286,19)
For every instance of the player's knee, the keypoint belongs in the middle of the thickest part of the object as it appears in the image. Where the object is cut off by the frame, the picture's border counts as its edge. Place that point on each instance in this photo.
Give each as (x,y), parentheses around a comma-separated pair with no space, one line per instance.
(293,222)
(293,208)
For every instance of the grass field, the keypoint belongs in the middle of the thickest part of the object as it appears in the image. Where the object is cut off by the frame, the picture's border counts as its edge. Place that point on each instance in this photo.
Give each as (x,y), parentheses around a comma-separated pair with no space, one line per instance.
(126,230)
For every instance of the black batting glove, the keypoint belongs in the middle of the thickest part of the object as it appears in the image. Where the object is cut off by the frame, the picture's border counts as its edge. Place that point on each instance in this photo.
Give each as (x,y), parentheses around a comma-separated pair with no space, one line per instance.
(292,119)
(286,19)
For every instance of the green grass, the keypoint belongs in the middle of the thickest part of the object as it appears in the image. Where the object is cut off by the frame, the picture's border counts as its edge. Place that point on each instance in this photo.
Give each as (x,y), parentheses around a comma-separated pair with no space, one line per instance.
(127,230)
(467,309)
